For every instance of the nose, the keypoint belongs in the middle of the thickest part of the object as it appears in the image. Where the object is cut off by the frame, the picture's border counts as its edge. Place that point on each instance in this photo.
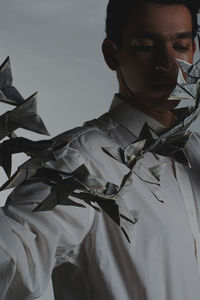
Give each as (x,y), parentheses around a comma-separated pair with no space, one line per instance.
(165,60)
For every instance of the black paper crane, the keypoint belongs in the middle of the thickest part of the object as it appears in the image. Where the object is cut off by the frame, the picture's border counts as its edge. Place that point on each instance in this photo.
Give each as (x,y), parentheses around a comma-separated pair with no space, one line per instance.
(8,93)
(80,179)
(43,149)
(82,186)
(23,116)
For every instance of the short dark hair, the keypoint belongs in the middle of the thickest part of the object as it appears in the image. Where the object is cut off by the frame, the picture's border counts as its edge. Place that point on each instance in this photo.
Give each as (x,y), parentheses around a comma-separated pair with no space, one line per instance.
(118,13)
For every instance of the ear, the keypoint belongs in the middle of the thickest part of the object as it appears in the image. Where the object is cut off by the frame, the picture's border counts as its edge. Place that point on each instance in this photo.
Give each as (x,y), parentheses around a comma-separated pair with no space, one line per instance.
(110,53)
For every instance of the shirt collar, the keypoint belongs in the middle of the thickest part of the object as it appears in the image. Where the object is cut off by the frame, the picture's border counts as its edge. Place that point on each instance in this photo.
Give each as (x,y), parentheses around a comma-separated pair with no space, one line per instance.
(131,118)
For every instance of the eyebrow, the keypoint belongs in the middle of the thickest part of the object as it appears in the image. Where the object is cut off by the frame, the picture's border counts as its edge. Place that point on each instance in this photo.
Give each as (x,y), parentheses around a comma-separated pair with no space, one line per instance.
(151,35)
(184,35)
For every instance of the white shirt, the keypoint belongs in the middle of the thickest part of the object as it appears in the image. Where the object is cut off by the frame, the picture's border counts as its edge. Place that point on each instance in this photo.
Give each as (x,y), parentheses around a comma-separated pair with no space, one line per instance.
(161,263)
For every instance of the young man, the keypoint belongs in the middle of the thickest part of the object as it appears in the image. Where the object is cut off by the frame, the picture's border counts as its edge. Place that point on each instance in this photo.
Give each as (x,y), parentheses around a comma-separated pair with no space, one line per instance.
(162,260)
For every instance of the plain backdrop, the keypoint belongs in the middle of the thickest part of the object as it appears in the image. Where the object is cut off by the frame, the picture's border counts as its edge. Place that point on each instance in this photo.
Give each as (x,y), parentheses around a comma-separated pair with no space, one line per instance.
(55,49)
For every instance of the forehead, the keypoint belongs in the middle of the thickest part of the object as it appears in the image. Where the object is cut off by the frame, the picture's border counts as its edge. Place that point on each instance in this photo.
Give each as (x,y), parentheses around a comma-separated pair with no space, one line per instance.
(163,20)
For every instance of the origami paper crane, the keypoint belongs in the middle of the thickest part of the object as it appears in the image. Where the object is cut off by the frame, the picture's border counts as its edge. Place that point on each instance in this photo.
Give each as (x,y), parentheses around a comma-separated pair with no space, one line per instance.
(24,172)
(23,116)
(79,184)
(126,156)
(151,176)
(83,186)
(192,70)
(8,93)
(112,208)
(80,180)
(17,145)
(183,90)
(41,161)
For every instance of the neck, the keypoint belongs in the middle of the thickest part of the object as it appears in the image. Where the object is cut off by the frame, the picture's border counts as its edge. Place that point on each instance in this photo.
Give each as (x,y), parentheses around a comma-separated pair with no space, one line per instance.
(165,117)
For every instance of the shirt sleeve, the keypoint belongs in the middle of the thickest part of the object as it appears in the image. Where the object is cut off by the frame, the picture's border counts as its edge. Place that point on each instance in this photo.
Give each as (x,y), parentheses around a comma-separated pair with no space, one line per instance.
(32,243)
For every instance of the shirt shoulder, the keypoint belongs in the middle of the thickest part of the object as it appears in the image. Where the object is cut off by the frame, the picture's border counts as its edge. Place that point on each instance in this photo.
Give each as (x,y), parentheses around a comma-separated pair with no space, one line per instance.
(84,145)
(101,126)
(77,146)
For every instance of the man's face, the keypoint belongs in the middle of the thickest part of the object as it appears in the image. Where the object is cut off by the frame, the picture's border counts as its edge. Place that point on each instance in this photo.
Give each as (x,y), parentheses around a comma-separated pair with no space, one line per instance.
(155,35)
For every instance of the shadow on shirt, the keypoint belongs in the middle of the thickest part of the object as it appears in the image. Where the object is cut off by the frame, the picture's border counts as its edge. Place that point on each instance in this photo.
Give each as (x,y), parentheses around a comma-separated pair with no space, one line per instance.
(68,283)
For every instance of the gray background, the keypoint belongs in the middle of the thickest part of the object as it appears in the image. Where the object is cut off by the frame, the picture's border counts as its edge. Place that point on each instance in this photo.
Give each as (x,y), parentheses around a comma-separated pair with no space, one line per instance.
(55,48)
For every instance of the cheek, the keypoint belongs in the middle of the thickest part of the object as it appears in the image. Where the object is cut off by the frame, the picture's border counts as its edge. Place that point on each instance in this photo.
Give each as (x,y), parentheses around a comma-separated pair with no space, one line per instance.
(188,56)
(137,72)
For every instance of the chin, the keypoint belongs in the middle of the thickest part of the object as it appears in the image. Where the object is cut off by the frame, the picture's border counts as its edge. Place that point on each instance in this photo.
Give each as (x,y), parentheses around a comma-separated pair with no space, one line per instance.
(173,103)
(160,99)
(167,105)
(162,104)
(160,94)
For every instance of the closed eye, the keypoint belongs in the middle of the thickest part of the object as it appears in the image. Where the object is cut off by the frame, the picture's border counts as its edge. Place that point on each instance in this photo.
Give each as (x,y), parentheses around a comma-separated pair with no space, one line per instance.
(145,48)
(181,48)
(144,45)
